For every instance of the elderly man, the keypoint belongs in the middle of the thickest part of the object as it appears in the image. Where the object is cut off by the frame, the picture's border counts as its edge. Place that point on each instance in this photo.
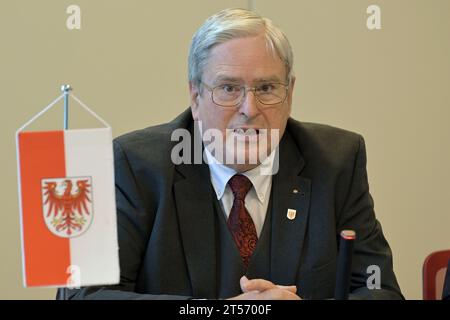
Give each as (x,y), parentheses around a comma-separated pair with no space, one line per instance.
(221,227)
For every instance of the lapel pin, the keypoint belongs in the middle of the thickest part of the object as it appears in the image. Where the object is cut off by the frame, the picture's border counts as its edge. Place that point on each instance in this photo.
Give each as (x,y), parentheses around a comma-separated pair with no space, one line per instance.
(291,214)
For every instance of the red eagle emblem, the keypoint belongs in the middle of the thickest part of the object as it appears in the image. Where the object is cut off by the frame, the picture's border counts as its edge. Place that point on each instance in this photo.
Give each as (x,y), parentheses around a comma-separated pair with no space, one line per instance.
(67,205)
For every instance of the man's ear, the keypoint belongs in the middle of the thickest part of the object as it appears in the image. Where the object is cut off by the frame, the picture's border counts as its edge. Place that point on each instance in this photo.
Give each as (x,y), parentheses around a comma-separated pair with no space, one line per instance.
(291,90)
(195,95)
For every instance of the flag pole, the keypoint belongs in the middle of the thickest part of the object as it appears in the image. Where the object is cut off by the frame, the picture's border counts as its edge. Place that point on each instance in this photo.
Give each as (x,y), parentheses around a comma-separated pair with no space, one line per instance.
(65,88)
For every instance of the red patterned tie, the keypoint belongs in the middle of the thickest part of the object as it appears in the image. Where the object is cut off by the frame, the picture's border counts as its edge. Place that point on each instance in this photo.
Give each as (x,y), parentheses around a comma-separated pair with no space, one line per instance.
(240,222)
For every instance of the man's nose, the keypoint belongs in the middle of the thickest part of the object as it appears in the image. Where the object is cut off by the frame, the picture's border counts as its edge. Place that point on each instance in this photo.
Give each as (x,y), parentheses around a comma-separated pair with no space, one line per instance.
(249,105)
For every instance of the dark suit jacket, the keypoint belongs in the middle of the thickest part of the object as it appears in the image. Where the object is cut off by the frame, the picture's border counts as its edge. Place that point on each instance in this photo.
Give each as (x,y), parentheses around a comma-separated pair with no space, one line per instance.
(165,217)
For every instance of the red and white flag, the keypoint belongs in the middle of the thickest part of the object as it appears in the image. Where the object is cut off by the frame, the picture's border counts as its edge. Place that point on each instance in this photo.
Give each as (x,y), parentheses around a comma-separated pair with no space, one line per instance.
(68,211)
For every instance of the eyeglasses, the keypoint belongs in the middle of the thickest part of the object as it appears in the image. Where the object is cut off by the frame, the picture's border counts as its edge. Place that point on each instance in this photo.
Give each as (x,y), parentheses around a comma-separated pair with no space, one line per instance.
(231,95)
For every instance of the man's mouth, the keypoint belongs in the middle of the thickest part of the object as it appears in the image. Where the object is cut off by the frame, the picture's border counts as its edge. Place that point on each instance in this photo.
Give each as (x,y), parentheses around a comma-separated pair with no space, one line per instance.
(246,131)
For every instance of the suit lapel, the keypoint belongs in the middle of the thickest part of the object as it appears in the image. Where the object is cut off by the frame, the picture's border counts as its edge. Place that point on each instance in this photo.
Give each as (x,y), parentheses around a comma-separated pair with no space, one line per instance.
(289,191)
(193,198)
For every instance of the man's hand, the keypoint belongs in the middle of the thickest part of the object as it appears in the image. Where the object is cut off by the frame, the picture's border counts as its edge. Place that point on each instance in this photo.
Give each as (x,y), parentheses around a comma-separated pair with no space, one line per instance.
(260,289)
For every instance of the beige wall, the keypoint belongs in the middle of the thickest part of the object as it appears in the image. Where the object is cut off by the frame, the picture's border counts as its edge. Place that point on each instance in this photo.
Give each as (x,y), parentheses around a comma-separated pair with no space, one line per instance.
(128,62)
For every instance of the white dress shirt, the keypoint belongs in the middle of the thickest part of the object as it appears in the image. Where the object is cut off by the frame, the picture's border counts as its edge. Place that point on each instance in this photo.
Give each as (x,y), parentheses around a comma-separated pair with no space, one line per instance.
(257,199)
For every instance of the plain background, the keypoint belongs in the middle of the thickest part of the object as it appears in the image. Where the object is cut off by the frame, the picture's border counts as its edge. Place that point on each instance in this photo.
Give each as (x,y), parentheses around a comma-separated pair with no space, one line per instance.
(128,62)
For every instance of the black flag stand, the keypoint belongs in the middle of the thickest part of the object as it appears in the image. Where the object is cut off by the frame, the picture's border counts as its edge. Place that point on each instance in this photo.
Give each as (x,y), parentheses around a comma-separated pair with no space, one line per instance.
(344,266)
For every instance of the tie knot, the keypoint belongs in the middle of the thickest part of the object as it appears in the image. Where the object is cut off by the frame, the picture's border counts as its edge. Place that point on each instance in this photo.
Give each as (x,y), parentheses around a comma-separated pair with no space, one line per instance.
(240,185)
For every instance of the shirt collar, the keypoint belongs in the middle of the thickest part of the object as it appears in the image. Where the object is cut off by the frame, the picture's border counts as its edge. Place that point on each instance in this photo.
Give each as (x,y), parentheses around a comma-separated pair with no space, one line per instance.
(221,174)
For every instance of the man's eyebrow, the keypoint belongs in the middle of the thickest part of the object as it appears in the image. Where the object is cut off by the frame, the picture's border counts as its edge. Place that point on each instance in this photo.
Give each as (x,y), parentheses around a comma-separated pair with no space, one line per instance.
(224,78)
(267,79)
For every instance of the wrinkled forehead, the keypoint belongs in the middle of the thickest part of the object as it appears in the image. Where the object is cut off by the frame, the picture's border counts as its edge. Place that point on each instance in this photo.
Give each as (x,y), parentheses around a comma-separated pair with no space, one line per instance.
(244,60)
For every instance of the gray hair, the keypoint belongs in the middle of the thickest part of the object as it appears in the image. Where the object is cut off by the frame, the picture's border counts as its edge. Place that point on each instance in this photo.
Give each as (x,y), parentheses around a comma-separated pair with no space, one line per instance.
(230,24)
